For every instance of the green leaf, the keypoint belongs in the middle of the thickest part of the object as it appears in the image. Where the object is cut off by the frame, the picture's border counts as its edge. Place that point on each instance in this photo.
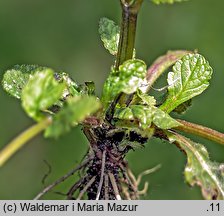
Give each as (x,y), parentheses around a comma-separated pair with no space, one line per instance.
(144,116)
(182,108)
(17,77)
(41,92)
(161,64)
(129,144)
(190,77)
(76,109)
(163,120)
(166,1)
(145,99)
(72,89)
(109,33)
(129,78)
(199,169)
(88,88)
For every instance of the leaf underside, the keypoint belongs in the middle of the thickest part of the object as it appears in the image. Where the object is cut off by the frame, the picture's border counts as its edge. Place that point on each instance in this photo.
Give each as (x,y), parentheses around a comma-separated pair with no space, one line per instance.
(200,170)
(17,77)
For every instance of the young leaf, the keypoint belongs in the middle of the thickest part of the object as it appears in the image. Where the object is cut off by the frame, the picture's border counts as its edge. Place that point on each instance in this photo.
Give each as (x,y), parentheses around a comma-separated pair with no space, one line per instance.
(145,116)
(190,77)
(129,78)
(75,110)
(162,63)
(166,1)
(109,33)
(17,77)
(145,99)
(41,92)
(199,169)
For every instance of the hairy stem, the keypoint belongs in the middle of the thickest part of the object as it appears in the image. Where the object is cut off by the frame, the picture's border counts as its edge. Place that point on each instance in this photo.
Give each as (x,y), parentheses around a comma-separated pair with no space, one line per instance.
(22,139)
(128,30)
(200,130)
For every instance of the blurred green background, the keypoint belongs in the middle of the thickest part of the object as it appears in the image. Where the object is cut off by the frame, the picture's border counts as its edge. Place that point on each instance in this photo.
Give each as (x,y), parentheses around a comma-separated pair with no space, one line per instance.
(64,35)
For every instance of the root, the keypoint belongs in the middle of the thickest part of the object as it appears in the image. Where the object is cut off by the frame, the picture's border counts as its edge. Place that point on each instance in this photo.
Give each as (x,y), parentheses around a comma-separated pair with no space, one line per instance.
(106,187)
(126,193)
(86,187)
(105,174)
(63,178)
(147,172)
(75,187)
(101,175)
(114,185)
(131,182)
(144,190)
(48,172)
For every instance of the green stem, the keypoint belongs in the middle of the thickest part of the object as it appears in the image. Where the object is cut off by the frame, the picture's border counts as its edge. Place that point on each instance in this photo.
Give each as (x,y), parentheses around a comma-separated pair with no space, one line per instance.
(202,131)
(22,139)
(130,11)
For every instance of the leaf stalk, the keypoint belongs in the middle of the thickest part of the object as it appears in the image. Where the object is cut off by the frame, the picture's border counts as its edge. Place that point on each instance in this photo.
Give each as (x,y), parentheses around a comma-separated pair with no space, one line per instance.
(202,131)
(22,139)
